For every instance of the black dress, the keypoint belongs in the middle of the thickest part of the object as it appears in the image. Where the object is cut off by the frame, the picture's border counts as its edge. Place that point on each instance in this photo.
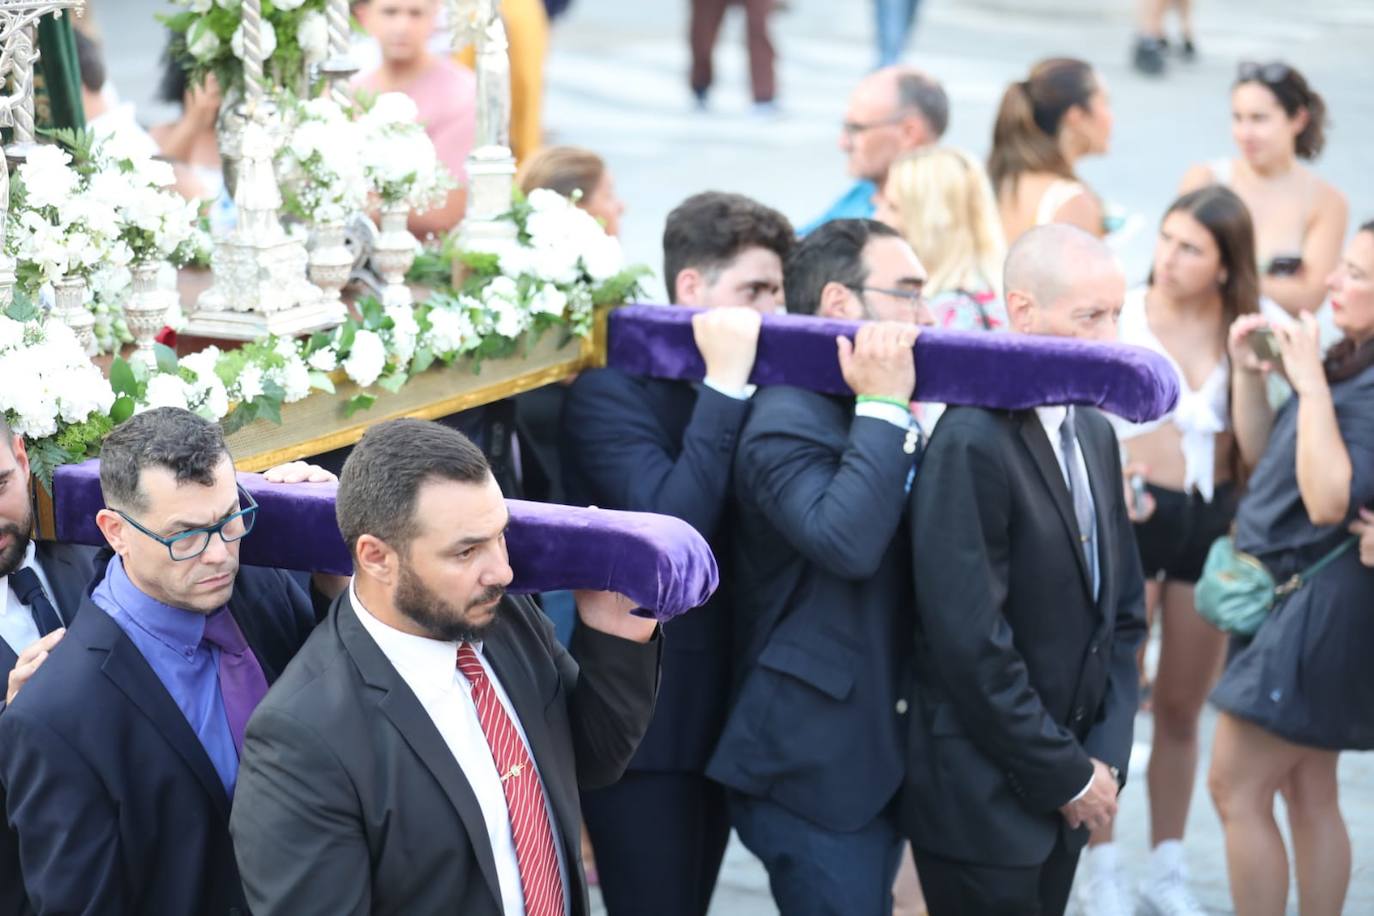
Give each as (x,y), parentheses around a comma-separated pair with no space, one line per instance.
(1308,674)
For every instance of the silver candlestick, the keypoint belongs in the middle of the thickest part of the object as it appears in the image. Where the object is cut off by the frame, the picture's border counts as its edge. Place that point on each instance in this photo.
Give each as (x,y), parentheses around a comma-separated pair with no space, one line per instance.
(490,165)
(260,269)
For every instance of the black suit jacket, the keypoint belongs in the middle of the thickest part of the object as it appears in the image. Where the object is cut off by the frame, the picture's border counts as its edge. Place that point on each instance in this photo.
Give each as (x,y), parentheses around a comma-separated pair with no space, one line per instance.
(115,804)
(824,605)
(1021,676)
(647,445)
(349,801)
(69,569)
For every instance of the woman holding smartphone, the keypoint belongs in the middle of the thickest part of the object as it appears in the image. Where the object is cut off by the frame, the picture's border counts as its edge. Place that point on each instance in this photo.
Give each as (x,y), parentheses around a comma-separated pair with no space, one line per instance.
(1203,278)
(1299,692)
(1278,122)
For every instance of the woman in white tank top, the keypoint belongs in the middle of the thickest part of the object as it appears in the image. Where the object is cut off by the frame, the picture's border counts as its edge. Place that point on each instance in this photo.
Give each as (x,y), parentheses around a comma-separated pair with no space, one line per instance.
(1203,277)
(1278,120)
(1046,123)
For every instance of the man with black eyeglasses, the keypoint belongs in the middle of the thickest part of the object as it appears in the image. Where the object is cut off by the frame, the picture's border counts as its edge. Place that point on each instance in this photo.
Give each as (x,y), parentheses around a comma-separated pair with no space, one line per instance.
(812,747)
(119,757)
(891,113)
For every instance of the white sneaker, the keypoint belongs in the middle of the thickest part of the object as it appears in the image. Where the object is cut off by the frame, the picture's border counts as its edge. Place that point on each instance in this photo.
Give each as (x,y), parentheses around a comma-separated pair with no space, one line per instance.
(1103,894)
(1169,896)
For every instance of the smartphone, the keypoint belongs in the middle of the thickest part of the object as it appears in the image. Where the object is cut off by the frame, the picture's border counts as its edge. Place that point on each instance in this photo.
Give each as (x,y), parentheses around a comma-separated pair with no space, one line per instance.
(1138,492)
(1284,265)
(1265,346)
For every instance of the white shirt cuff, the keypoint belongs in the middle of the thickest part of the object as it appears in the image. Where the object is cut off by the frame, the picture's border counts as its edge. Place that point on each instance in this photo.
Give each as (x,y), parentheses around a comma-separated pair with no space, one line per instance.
(738,394)
(888,413)
(1085,788)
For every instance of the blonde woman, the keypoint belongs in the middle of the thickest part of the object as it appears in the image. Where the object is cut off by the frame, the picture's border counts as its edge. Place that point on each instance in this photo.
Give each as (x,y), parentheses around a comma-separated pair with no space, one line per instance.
(941,201)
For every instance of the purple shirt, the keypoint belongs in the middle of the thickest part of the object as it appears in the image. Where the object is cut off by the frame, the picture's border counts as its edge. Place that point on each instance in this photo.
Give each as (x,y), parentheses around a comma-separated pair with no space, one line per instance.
(170,640)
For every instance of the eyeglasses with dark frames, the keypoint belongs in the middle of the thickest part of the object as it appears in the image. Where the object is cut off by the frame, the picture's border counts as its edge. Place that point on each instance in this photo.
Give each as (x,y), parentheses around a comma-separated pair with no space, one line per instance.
(857,127)
(913,296)
(190,544)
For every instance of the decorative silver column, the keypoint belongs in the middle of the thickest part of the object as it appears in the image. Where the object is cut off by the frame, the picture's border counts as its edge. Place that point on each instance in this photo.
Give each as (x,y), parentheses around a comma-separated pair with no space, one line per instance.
(18,21)
(260,283)
(339,67)
(490,165)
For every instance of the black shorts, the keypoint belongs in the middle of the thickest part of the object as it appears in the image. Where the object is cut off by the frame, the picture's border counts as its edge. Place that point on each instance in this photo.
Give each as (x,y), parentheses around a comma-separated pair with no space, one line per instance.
(1175,540)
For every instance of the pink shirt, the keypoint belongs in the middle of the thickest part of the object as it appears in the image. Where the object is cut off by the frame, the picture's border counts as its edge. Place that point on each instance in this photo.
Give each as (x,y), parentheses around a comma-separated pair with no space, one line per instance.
(446,95)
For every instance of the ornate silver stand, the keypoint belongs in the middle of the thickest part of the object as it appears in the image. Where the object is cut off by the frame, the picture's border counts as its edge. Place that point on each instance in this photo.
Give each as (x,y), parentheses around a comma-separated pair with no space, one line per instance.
(260,270)
(490,165)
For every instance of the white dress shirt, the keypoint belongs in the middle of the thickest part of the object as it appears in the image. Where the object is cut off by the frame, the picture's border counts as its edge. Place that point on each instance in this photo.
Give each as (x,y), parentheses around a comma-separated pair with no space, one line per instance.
(16,619)
(1052,418)
(430,668)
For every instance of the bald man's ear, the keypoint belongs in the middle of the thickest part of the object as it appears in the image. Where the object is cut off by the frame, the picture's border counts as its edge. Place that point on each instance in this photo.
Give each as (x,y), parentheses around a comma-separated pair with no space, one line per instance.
(916,133)
(1021,311)
(839,301)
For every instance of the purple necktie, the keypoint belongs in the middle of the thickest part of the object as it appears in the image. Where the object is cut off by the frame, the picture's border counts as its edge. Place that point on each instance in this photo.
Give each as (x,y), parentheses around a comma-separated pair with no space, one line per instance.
(241,681)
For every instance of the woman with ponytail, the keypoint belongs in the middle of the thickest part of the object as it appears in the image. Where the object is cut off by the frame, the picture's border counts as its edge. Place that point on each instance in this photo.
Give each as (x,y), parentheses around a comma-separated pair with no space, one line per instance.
(1046,123)
(1277,121)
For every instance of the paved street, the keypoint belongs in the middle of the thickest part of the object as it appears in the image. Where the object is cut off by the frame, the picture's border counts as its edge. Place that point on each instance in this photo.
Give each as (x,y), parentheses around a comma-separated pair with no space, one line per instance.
(617,84)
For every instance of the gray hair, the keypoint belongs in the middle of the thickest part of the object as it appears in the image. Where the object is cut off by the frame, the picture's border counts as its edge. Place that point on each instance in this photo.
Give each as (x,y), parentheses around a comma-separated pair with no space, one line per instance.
(920,92)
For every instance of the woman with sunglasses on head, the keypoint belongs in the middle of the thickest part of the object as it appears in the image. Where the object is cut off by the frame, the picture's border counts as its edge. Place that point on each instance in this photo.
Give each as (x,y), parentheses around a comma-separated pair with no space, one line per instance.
(1278,121)
(1045,125)
(1203,278)
(1299,691)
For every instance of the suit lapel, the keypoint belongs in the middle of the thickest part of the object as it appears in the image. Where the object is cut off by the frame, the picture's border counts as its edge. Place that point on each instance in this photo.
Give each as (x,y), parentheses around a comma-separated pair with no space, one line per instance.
(126,667)
(1042,454)
(8,658)
(403,709)
(67,580)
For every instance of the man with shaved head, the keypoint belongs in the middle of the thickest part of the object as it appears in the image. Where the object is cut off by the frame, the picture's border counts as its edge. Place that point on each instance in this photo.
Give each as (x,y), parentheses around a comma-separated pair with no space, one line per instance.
(892,112)
(1030,607)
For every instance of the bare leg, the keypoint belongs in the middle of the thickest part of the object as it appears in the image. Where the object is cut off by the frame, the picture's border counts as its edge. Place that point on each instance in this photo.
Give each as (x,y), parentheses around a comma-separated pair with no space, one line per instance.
(1321,845)
(1190,658)
(1151,17)
(1248,767)
(1154,590)
(1184,8)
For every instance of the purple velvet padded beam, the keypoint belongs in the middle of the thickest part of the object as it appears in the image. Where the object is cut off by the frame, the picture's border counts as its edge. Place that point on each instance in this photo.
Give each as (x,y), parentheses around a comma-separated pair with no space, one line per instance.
(1010,371)
(660,563)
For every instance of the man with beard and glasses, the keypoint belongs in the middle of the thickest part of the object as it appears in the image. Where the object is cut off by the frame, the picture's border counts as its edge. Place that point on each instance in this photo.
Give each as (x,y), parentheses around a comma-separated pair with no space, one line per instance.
(41,583)
(424,751)
(118,759)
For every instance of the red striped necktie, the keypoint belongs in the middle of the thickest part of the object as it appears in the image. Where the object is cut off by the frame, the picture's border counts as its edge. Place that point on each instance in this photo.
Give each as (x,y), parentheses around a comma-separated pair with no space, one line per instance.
(529,817)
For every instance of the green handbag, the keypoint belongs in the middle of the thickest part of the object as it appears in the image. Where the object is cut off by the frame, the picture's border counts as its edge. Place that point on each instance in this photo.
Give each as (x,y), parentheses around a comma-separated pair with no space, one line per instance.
(1236,592)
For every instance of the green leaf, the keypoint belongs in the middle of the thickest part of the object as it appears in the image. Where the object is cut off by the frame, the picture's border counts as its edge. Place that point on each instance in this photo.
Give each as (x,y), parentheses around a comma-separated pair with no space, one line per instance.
(269,409)
(424,358)
(321,382)
(45,455)
(239,417)
(358,402)
(346,335)
(166,358)
(123,408)
(394,382)
(23,308)
(372,312)
(122,378)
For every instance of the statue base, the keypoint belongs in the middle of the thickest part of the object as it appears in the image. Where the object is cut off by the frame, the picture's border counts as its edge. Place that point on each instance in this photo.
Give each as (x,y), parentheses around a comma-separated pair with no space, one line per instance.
(260,289)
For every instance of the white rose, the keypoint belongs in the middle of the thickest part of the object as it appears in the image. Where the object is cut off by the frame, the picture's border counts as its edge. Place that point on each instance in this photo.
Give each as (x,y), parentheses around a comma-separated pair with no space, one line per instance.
(404,330)
(312,34)
(215,404)
(267,38)
(201,41)
(366,360)
(509,319)
(202,363)
(450,331)
(166,390)
(550,300)
(249,383)
(295,379)
(602,257)
(325,360)
(288,5)
(393,108)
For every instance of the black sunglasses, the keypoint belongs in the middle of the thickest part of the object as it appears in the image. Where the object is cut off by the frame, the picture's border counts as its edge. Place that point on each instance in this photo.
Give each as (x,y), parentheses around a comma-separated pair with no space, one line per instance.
(1270,74)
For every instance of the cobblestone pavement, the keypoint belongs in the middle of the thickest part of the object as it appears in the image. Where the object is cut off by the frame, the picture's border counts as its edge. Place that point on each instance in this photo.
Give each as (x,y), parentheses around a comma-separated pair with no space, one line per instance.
(617,84)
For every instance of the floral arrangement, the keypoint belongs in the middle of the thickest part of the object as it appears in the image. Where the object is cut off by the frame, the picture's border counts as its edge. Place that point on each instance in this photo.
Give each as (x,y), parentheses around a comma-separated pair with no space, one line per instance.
(323,156)
(92,210)
(207,38)
(62,407)
(399,159)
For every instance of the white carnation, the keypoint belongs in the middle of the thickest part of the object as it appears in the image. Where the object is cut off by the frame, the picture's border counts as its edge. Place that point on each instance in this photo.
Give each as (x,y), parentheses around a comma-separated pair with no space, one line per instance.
(166,390)
(404,330)
(393,108)
(249,383)
(202,42)
(295,380)
(602,257)
(288,5)
(450,331)
(323,360)
(366,360)
(550,300)
(312,34)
